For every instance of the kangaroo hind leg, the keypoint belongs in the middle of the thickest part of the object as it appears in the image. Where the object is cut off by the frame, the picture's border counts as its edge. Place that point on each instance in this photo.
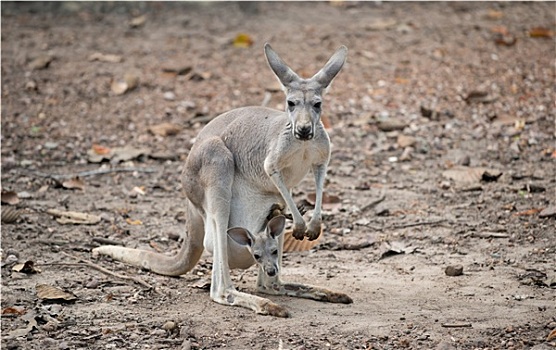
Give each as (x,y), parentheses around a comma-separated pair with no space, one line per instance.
(217,173)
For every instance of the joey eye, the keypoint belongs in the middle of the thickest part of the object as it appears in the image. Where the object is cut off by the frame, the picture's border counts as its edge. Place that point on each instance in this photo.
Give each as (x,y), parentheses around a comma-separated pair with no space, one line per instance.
(317,105)
(256,256)
(275,252)
(291,104)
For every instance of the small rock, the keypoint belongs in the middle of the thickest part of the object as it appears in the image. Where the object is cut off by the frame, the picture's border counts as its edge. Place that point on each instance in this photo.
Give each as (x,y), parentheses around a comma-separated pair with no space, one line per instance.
(391,124)
(406,140)
(169,326)
(169,96)
(454,270)
(51,145)
(31,86)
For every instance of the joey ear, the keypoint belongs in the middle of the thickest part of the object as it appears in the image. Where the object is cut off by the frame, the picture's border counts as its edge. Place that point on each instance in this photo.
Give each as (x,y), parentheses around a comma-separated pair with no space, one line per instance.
(241,236)
(284,73)
(325,76)
(276,226)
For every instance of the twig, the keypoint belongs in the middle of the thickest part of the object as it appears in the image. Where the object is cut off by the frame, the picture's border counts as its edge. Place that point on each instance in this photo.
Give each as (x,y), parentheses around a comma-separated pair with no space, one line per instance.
(456,325)
(421,223)
(90,173)
(110,273)
(109,241)
(373,203)
(489,235)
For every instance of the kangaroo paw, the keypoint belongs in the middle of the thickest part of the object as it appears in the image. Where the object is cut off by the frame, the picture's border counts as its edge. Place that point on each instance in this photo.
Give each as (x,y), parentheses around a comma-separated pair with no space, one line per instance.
(275,310)
(313,231)
(299,232)
(336,297)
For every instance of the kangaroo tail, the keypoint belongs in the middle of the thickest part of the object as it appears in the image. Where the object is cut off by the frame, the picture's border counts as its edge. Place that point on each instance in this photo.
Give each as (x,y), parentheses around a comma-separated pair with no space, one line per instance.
(176,265)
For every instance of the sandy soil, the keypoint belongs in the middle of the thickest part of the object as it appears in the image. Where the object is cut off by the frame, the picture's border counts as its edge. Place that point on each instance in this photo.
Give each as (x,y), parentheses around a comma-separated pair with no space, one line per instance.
(444,110)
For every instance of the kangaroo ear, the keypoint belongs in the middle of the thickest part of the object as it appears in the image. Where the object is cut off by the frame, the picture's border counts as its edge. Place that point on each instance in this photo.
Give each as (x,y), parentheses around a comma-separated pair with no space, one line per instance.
(276,226)
(284,73)
(325,76)
(241,236)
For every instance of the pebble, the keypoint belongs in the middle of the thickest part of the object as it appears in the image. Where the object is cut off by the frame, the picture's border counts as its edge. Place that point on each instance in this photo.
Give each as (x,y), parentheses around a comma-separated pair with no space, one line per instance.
(405,140)
(169,96)
(169,326)
(454,270)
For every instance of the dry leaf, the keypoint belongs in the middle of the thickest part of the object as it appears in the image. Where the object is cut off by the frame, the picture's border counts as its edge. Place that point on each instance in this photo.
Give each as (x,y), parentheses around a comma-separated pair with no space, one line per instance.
(72,217)
(505,40)
(165,129)
(9,197)
(541,32)
(120,87)
(463,174)
(479,97)
(10,215)
(529,212)
(551,335)
(138,21)
(177,69)
(494,15)
(28,267)
(41,62)
(123,154)
(243,40)
(500,30)
(139,190)
(133,222)
(203,283)
(117,154)
(13,310)
(381,24)
(101,150)
(74,184)
(46,292)
(97,56)
(292,244)
(394,248)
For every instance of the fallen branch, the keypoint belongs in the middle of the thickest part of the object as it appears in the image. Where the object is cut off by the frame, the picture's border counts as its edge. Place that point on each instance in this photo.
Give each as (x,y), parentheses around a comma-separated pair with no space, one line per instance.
(89,173)
(456,325)
(110,273)
(413,224)
(489,235)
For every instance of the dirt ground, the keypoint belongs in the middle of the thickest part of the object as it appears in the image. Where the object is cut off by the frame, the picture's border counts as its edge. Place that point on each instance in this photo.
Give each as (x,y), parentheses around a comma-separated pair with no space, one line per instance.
(443,132)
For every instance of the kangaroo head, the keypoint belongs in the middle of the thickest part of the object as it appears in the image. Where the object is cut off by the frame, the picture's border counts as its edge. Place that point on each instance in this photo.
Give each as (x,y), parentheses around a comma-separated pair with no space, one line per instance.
(304,96)
(264,245)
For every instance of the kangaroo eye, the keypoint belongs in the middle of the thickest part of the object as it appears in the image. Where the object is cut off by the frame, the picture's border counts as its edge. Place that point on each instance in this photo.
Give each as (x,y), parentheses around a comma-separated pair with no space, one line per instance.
(317,105)
(256,256)
(291,103)
(275,252)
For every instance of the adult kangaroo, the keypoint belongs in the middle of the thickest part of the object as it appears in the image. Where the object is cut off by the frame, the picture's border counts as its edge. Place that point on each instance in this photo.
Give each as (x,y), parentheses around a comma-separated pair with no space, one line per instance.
(244,163)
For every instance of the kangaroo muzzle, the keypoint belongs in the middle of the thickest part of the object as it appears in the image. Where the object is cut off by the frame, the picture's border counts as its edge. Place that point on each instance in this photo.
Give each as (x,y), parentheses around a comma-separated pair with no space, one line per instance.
(304,132)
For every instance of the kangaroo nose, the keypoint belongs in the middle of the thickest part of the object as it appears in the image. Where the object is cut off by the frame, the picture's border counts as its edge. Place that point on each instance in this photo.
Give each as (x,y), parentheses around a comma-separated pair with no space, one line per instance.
(304,133)
(271,272)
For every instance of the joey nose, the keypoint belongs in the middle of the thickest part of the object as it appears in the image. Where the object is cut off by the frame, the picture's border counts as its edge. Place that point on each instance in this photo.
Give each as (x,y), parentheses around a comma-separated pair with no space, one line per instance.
(304,133)
(271,272)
